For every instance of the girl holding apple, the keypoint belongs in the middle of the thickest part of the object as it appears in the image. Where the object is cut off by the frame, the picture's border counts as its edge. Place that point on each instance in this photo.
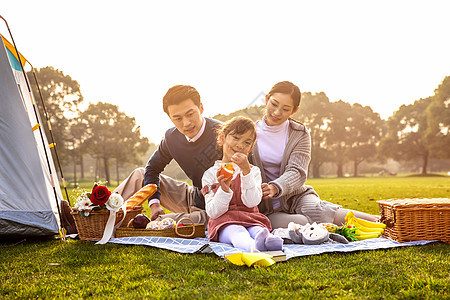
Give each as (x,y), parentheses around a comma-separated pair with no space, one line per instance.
(232,197)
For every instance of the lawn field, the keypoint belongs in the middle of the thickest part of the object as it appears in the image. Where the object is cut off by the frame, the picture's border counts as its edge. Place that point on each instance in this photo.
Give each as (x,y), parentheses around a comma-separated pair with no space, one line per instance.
(78,269)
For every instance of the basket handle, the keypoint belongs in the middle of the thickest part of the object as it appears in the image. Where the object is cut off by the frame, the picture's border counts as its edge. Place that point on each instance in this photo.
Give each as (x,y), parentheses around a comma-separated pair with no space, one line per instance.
(389,223)
(130,223)
(185,235)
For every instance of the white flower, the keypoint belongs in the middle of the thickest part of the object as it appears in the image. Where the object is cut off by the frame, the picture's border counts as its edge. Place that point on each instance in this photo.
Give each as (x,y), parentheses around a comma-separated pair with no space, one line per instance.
(114,202)
(83,204)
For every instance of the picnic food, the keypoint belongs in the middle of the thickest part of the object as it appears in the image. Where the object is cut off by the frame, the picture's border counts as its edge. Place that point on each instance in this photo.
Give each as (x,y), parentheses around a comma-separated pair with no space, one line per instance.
(141,196)
(330,227)
(362,235)
(162,224)
(351,217)
(152,225)
(364,229)
(348,231)
(167,223)
(226,170)
(140,221)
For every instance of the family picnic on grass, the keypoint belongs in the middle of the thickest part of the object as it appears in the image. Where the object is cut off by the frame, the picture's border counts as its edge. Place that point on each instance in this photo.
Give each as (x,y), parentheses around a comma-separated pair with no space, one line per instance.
(267,188)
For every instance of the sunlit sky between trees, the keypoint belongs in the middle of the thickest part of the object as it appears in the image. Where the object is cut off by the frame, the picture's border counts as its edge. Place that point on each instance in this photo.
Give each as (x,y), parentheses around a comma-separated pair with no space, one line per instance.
(377,53)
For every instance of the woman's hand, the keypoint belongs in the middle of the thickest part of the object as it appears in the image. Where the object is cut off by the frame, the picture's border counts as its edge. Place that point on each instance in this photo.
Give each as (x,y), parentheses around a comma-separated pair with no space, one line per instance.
(241,160)
(268,190)
(224,183)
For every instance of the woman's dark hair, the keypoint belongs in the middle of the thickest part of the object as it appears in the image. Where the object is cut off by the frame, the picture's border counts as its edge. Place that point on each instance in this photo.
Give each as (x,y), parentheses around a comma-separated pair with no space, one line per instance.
(237,125)
(287,87)
(179,93)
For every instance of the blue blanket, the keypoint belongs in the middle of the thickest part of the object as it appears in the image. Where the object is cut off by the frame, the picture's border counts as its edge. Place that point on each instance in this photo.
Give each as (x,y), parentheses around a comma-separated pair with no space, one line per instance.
(203,245)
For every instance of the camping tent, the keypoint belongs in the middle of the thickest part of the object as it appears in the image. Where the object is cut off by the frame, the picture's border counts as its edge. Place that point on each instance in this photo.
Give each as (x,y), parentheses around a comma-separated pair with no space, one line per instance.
(29,188)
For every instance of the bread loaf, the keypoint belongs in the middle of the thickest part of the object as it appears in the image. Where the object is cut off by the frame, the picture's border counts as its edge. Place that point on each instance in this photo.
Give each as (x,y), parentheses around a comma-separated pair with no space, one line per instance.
(141,196)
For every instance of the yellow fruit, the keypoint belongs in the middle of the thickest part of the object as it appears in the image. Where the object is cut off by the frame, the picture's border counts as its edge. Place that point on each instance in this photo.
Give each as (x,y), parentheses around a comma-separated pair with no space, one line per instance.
(351,216)
(355,223)
(371,224)
(361,235)
(227,170)
(330,227)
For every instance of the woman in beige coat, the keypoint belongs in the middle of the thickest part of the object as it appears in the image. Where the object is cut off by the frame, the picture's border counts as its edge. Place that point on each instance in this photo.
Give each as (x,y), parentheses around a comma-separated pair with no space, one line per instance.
(283,153)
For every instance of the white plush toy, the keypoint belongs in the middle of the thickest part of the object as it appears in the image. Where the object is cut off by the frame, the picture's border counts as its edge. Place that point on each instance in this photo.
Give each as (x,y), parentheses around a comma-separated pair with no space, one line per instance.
(313,234)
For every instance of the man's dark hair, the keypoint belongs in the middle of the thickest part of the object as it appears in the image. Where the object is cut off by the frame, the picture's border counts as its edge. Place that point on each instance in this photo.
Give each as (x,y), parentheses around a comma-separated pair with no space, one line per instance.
(179,93)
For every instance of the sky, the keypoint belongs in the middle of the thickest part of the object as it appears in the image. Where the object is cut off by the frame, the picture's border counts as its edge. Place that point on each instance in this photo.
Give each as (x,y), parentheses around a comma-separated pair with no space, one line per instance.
(129,53)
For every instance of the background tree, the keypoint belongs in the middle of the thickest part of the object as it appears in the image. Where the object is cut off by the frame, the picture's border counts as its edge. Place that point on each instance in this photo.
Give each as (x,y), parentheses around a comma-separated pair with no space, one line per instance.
(315,114)
(407,130)
(254,113)
(112,134)
(337,137)
(438,115)
(62,97)
(76,135)
(365,130)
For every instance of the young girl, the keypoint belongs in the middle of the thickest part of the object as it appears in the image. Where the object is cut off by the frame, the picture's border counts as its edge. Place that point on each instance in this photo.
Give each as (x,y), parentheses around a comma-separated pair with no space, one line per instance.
(231,203)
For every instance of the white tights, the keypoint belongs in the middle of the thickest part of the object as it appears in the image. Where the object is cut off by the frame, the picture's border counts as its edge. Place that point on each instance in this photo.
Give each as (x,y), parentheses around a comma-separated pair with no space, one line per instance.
(251,238)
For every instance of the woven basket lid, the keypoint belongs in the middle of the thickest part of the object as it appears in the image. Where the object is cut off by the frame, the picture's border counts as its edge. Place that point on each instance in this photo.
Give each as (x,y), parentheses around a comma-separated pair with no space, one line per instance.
(417,202)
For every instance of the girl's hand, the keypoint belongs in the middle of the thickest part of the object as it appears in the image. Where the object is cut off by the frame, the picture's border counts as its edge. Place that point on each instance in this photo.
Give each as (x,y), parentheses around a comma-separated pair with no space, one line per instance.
(224,183)
(241,160)
(268,190)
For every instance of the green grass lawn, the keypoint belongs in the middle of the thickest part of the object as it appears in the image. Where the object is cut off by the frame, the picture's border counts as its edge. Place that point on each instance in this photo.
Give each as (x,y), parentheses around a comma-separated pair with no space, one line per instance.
(78,269)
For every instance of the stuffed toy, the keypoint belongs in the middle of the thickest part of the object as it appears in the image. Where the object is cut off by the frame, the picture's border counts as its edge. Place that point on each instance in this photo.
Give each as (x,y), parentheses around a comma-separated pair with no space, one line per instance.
(313,234)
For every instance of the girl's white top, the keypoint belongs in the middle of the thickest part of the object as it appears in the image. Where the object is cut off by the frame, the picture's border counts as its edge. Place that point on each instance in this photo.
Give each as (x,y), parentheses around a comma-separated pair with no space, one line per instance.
(217,203)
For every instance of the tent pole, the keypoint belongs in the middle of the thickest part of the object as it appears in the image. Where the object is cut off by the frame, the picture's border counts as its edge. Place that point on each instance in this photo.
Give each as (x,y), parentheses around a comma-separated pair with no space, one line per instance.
(51,132)
(40,128)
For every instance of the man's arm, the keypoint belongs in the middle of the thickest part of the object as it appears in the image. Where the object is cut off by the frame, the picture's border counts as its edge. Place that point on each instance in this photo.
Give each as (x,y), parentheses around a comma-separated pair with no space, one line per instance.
(156,164)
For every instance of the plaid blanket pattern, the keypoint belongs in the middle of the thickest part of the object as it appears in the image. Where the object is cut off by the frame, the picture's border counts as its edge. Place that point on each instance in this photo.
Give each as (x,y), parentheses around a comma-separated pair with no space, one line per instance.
(203,245)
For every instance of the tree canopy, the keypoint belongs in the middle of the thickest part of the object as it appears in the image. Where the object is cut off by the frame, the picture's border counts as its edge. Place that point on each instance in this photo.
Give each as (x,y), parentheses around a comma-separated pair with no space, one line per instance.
(438,116)
(340,132)
(112,134)
(62,97)
(406,138)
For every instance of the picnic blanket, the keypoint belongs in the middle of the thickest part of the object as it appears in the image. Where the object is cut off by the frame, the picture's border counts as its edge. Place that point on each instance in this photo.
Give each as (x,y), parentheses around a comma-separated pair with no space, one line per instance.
(203,245)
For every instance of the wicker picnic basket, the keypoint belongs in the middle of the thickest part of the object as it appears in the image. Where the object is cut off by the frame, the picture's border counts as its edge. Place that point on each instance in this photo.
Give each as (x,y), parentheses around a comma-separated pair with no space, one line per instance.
(91,228)
(188,231)
(416,219)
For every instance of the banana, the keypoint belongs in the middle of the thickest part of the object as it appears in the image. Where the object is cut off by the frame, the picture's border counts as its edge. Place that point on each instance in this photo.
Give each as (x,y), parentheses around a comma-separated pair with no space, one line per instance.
(363,228)
(370,230)
(369,224)
(350,215)
(361,235)
(354,222)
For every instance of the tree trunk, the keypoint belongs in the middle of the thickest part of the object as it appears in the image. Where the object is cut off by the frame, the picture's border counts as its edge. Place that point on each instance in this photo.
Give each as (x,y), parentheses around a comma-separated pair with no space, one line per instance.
(75,172)
(81,166)
(105,164)
(355,168)
(96,170)
(340,171)
(316,170)
(425,164)
(117,170)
